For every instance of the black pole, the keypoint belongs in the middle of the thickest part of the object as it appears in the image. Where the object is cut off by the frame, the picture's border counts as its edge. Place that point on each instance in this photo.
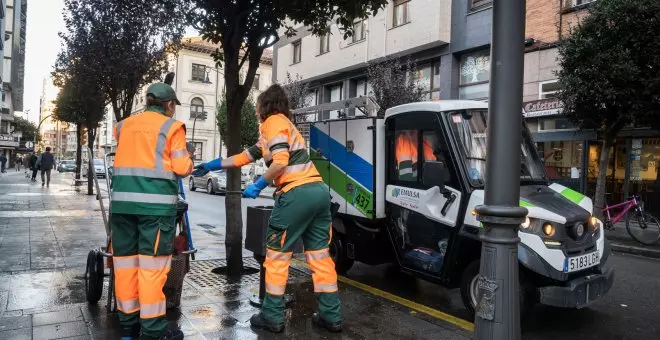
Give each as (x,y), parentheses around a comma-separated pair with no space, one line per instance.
(498,310)
(626,180)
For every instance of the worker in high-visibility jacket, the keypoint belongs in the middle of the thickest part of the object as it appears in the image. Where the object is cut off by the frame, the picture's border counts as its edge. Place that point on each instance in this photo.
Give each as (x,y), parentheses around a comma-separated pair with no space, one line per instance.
(407,155)
(151,153)
(302,210)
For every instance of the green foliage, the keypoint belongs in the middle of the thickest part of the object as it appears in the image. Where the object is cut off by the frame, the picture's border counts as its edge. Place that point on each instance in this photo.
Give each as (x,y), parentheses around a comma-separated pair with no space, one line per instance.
(249,122)
(28,129)
(125,43)
(610,70)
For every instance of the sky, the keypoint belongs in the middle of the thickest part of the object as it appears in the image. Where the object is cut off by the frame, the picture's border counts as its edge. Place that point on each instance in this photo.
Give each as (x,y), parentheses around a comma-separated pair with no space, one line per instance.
(44,21)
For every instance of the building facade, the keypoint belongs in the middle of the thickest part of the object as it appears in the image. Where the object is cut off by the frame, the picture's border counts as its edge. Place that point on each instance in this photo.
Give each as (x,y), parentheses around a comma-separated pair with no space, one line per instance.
(450,42)
(53,133)
(199,86)
(13,21)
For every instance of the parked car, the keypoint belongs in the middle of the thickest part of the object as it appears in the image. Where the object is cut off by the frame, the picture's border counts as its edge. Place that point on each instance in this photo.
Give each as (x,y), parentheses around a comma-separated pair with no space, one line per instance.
(99,168)
(213,182)
(67,165)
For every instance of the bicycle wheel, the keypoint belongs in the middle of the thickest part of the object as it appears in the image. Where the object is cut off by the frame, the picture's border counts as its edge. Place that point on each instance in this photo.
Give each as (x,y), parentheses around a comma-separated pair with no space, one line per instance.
(643,227)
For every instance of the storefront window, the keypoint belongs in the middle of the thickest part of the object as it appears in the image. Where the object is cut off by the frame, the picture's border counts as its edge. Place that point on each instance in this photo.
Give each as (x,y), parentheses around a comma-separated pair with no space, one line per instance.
(475,75)
(556,124)
(562,159)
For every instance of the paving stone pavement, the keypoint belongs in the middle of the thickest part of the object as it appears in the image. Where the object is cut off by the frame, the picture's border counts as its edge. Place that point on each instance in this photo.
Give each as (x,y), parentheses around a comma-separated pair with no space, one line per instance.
(46,233)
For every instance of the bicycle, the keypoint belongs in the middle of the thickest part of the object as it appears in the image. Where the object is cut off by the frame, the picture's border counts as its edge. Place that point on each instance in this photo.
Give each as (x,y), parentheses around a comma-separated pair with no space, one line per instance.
(642,226)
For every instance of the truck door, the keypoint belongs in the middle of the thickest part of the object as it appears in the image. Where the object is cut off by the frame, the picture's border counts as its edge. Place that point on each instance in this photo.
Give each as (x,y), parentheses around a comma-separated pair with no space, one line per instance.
(422,219)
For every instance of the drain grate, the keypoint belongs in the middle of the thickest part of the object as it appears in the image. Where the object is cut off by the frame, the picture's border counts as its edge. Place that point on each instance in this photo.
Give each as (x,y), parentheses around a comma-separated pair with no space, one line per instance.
(201,277)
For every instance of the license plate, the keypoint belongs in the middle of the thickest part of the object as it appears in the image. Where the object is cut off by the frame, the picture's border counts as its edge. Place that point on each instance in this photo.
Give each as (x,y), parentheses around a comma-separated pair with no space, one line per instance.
(573,264)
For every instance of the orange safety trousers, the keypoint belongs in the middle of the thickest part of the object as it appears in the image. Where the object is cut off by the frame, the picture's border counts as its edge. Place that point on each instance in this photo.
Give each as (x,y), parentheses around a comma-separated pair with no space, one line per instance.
(142,259)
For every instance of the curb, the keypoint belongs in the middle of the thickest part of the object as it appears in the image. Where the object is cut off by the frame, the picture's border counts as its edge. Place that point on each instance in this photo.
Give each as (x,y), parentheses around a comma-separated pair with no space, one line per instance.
(652,253)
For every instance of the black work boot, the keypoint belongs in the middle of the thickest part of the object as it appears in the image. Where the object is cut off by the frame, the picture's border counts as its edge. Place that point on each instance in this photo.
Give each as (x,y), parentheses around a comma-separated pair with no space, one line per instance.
(334,327)
(259,321)
(172,334)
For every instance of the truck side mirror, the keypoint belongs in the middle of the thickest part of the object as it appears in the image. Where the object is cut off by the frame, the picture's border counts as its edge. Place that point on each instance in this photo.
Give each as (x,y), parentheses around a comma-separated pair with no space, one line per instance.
(435,174)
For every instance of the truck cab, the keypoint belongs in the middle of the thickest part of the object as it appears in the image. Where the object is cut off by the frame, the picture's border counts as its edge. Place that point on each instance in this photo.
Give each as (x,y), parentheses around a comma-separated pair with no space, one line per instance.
(407,183)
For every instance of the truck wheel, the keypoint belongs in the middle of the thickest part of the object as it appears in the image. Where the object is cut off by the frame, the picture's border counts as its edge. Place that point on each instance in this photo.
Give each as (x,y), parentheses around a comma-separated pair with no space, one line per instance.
(470,289)
(339,254)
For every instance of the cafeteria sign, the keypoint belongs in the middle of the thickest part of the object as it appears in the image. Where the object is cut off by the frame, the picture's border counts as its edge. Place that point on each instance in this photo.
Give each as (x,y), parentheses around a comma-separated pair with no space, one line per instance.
(543,107)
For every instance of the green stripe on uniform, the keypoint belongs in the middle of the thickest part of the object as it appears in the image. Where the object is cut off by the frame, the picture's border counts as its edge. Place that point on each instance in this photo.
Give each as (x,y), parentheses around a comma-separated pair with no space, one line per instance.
(525,204)
(572,195)
(298,157)
(135,208)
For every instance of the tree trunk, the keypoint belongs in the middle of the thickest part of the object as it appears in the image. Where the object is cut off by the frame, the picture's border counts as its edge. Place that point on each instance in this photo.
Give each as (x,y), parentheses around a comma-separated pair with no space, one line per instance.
(234,222)
(78,151)
(599,199)
(90,171)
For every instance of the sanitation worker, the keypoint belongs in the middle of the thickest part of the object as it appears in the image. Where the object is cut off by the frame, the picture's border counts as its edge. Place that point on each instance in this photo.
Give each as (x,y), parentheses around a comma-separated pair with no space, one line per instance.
(407,154)
(302,209)
(151,153)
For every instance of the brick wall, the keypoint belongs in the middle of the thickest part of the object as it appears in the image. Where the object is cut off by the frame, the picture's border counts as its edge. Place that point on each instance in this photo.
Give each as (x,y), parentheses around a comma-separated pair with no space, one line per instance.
(571,19)
(543,21)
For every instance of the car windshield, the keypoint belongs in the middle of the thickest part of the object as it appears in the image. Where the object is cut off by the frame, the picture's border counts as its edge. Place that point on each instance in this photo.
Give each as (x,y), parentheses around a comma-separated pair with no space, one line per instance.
(469,128)
(98,162)
(67,162)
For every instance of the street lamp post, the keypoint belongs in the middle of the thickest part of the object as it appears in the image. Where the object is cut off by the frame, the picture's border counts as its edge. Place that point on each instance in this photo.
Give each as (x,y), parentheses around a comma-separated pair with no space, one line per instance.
(215,106)
(498,306)
(37,132)
(201,115)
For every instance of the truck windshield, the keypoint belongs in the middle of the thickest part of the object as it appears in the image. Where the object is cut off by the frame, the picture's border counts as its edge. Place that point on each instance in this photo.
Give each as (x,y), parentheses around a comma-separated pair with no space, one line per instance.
(470,131)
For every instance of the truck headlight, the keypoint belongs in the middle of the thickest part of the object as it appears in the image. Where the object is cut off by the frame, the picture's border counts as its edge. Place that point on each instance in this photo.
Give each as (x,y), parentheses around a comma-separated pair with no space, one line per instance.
(549,229)
(525,225)
(593,222)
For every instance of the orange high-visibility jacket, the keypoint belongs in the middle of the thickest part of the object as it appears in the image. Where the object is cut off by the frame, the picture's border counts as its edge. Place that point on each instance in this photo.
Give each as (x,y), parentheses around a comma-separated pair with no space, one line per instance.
(281,142)
(151,152)
(407,155)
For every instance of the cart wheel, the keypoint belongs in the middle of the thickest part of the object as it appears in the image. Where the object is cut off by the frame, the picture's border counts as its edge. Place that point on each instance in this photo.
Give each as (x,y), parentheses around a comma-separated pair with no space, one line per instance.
(94,276)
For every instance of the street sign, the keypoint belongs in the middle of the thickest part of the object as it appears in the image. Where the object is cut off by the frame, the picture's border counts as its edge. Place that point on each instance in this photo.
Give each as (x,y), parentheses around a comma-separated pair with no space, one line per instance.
(29,145)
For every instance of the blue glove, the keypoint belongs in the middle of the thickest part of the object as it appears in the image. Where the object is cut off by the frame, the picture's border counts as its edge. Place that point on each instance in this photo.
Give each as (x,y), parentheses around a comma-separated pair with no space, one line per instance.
(253,190)
(205,168)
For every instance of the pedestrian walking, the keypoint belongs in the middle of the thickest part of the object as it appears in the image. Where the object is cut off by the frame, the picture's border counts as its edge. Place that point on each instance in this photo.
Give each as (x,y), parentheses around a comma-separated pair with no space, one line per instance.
(18,163)
(32,163)
(151,153)
(3,163)
(302,210)
(45,163)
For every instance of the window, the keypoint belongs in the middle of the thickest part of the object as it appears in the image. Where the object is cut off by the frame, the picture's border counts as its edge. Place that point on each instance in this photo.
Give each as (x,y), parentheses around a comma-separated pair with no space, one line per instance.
(197,108)
(474,75)
(428,76)
(548,89)
(297,50)
(479,4)
(408,158)
(198,72)
(575,3)
(334,94)
(400,12)
(197,156)
(324,43)
(255,83)
(359,31)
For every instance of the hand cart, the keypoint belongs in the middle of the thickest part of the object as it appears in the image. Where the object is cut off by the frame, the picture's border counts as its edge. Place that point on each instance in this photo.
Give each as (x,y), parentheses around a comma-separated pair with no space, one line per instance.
(100,259)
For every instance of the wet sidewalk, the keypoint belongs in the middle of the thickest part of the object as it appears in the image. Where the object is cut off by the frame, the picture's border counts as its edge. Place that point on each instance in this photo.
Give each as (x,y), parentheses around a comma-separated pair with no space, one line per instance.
(46,233)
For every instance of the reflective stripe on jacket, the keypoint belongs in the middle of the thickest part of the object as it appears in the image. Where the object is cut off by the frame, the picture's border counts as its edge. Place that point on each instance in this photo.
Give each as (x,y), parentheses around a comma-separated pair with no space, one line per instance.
(280,142)
(151,152)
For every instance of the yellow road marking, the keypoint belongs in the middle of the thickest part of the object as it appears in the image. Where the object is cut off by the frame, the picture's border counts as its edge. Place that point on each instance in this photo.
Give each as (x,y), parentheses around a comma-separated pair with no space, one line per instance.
(468,326)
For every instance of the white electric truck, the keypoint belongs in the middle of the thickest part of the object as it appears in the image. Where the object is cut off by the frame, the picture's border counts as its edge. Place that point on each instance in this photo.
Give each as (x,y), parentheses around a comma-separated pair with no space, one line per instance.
(425,221)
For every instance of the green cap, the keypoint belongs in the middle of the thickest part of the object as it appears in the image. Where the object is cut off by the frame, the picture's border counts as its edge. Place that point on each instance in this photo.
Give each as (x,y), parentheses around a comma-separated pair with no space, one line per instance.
(163,92)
